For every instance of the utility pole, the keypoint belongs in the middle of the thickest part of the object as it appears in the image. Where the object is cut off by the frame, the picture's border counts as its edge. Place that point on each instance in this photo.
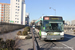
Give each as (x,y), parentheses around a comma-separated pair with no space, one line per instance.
(53,9)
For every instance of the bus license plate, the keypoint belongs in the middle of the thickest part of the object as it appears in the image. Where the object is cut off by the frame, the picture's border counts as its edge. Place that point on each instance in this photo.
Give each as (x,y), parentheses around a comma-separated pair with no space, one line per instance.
(53,39)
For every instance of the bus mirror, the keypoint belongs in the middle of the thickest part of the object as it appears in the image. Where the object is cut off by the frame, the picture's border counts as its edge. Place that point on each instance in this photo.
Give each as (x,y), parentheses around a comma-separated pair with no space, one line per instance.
(63,22)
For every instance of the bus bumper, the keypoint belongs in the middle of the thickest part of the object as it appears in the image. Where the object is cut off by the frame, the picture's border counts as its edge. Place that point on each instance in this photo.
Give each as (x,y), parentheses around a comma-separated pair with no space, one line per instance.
(52,37)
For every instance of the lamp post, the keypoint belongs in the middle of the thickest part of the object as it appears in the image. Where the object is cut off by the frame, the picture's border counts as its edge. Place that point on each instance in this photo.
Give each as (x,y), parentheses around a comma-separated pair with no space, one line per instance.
(53,9)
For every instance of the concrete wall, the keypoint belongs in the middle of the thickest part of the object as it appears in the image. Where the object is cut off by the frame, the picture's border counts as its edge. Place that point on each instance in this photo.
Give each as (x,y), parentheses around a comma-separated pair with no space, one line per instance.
(6,27)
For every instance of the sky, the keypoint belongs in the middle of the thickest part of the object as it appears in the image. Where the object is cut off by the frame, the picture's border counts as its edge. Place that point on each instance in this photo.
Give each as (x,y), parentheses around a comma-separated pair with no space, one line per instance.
(38,8)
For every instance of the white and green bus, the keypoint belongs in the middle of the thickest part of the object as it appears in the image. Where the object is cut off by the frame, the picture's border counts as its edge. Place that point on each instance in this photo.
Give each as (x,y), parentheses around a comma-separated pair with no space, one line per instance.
(50,28)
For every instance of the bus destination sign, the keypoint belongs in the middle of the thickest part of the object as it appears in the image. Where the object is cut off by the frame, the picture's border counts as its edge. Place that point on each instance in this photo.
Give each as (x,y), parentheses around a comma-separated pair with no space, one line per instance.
(52,18)
(46,18)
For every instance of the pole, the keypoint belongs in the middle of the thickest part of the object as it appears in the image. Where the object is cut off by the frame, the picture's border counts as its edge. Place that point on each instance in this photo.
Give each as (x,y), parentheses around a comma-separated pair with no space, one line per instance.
(53,9)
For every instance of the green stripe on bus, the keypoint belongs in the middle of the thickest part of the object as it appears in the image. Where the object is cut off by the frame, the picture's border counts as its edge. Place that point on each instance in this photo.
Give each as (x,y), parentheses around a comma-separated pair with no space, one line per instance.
(40,32)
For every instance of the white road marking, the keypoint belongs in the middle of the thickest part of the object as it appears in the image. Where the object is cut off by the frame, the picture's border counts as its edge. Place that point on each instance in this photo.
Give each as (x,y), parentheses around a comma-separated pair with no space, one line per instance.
(68,37)
(66,46)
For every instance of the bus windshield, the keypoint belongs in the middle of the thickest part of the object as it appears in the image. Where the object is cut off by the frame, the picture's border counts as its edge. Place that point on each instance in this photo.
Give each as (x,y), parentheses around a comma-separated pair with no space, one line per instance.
(52,26)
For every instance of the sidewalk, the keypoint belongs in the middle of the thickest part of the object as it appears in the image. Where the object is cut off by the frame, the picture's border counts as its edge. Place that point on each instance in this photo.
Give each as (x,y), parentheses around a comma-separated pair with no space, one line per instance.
(25,44)
(10,35)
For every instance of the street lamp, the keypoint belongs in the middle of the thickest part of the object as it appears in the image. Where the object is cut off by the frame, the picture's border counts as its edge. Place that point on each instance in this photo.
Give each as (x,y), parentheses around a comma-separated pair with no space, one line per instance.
(53,9)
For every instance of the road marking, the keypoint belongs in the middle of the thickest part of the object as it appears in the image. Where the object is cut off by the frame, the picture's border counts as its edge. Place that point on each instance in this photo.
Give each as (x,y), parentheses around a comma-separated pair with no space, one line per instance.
(66,46)
(68,37)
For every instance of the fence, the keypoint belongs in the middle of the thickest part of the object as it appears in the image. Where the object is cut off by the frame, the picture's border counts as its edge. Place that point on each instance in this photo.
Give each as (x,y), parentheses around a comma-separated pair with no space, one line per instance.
(7,27)
(35,47)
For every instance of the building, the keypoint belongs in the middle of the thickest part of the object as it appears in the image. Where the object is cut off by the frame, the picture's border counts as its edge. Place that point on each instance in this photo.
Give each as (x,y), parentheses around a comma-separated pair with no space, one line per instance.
(32,22)
(67,23)
(73,22)
(4,12)
(27,19)
(17,11)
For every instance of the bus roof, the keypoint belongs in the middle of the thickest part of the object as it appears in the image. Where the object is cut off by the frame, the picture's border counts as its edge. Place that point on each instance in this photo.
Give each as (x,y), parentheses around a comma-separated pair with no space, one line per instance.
(52,16)
(41,18)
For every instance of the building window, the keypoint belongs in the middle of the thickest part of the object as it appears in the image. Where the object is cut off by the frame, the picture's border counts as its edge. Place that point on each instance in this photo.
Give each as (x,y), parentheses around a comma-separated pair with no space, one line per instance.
(16,3)
(15,9)
(2,12)
(18,7)
(2,7)
(2,15)
(2,4)
(17,21)
(18,0)
(15,15)
(15,12)
(17,18)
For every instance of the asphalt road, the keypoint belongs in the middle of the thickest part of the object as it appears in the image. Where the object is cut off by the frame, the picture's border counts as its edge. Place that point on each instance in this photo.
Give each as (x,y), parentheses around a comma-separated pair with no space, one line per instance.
(67,44)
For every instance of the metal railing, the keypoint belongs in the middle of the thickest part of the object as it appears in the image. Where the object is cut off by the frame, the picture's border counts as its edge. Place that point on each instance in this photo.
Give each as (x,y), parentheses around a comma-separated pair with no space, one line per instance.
(35,47)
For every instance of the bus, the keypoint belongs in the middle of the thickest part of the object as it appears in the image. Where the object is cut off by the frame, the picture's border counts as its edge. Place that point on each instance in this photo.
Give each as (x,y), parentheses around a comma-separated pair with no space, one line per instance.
(50,28)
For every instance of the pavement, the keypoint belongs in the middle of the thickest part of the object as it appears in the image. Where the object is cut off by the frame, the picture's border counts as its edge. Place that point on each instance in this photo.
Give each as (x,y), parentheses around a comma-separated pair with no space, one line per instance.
(25,44)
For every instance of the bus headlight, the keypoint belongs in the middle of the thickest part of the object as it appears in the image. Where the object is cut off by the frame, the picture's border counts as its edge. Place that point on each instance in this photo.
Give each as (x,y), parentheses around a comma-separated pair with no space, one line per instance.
(62,33)
(43,33)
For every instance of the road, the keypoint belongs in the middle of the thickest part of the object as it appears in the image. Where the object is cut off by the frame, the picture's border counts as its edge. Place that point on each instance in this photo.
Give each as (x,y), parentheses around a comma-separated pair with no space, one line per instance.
(67,44)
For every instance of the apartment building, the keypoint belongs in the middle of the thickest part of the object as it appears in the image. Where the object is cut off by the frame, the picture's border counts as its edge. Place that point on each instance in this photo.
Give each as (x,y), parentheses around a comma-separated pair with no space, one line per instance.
(73,22)
(27,19)
(67,23)
(17,11)
(4,12)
